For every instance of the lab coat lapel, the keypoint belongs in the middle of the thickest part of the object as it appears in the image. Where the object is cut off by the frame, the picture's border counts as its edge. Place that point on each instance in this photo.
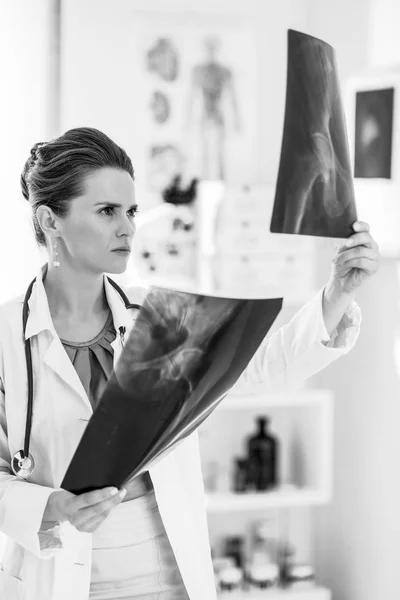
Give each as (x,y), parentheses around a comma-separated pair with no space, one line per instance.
(58,360)
(40,324)
(54,355)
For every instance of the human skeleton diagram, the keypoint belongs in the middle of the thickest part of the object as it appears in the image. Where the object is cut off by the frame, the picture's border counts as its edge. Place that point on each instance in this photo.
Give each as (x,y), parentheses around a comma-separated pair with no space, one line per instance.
(212,88)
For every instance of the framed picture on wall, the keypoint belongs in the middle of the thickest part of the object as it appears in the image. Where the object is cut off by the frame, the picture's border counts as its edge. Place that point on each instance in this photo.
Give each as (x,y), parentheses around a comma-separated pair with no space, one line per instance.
(374,133)
(372,104)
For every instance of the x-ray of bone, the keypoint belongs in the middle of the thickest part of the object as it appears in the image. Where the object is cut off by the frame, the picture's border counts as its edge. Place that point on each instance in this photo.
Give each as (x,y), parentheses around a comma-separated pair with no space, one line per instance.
(314,192)
(183,354)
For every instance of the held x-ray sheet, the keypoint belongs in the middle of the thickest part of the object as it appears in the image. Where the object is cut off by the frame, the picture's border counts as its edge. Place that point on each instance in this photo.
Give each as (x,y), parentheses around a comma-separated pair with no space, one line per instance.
(183,354)
(314,192)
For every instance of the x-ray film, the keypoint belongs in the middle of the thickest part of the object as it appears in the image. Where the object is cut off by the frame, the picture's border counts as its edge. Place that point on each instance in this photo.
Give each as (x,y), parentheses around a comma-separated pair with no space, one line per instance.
(183,354)
(314,193)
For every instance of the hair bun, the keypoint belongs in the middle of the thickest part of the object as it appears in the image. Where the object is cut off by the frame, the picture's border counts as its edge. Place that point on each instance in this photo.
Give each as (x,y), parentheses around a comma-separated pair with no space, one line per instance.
(24,187)
(34,150)
(29,164)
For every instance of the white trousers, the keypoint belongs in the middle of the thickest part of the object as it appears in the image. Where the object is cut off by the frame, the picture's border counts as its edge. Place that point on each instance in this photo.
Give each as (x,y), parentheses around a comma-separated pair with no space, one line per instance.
(132,556)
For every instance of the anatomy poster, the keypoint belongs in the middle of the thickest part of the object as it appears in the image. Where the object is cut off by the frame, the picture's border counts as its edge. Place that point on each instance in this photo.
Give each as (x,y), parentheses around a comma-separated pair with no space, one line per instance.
(198,87)
(314,193)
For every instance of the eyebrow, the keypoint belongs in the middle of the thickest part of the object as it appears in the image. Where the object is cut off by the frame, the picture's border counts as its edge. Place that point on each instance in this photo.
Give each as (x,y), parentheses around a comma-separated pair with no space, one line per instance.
(114,205)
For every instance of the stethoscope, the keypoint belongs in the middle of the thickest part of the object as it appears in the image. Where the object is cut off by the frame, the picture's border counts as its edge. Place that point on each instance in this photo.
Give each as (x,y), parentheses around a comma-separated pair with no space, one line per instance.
(22,463)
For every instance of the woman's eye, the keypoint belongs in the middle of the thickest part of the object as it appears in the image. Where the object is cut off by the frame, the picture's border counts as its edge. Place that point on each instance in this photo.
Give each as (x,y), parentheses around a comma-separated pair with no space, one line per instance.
(107,208)
(134,210)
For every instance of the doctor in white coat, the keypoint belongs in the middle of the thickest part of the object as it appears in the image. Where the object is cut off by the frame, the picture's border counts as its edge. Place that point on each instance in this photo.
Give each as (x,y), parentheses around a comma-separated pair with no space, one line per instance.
(81,189)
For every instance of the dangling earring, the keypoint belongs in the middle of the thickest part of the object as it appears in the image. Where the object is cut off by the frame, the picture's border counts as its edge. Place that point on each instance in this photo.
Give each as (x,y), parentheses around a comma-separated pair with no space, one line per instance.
(56,263)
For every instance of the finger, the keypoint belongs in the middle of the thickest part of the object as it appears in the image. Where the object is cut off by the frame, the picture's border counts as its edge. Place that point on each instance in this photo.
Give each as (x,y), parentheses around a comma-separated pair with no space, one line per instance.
(98,510)
(90,498)
(364,264)
(84,519)
(358,252)
(360,226)
(361,239)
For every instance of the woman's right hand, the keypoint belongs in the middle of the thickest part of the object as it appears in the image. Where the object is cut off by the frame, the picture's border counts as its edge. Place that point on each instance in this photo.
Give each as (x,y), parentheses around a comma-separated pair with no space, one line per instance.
(87,511)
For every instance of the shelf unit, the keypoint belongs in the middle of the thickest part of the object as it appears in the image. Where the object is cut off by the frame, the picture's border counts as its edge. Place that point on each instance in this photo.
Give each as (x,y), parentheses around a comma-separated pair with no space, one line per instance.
(302,420)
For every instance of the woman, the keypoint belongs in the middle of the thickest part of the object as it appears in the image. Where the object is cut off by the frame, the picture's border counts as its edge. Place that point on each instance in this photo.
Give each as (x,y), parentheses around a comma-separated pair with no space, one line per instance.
(149,540)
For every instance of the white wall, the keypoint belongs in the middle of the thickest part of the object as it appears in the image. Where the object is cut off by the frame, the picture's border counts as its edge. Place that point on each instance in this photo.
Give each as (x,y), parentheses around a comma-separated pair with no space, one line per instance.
(357,535)
(384,47)
(27,115)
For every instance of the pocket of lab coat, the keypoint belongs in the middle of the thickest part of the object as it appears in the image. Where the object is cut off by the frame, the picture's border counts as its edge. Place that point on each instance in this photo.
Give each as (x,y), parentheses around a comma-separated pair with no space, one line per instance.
(10,587)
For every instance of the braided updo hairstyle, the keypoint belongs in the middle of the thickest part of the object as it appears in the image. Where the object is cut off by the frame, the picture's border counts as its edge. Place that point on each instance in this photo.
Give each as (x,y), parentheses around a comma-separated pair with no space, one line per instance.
(55,172)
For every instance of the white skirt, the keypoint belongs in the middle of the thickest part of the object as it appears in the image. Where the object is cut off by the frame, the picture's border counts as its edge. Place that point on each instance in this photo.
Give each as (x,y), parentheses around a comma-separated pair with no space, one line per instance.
(132,556)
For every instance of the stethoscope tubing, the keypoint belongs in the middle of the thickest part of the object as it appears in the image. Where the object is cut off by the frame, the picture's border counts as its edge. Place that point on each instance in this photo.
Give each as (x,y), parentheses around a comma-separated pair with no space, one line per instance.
(24,454)
(28,358)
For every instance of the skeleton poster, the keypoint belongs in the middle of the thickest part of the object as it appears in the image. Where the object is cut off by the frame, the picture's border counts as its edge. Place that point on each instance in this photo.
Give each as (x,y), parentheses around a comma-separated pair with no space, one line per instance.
(198,78)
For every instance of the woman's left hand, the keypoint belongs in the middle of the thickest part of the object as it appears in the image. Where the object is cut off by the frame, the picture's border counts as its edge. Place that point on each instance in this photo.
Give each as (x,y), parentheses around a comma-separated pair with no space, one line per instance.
(356,260)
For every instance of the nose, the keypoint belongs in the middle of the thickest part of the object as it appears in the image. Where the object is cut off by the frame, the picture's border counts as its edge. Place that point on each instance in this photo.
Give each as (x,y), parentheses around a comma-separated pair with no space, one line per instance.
(126,226)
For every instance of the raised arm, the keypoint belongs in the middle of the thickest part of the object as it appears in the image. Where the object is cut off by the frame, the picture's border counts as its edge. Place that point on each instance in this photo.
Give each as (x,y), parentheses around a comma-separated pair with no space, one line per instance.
(324,329)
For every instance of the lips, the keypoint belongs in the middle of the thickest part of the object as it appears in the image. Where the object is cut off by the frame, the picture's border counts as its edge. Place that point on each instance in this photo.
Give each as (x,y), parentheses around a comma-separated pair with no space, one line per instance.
(125,249)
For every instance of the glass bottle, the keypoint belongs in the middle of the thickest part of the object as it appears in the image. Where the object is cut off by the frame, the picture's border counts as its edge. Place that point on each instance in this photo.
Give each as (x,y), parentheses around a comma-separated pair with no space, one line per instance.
(234,549)
(263,455)
(262,571)
(240,475)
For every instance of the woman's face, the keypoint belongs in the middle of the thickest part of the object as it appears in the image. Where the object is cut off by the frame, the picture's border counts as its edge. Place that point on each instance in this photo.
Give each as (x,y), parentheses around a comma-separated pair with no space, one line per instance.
(99,222)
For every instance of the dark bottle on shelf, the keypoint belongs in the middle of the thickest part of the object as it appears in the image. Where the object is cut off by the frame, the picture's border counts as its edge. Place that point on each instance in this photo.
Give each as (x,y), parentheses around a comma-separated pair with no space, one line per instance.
(263,456)
(234,549)
(240,475)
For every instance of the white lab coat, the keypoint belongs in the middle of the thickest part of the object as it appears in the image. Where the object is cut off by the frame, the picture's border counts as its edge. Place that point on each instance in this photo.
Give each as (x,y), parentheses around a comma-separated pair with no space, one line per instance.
(57,565)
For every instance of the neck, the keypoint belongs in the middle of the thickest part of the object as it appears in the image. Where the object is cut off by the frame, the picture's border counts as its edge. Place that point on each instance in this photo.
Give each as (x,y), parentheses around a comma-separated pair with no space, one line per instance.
(74,293)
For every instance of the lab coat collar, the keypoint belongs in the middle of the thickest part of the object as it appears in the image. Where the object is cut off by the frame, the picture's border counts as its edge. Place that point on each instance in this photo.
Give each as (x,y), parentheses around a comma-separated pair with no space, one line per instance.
(39,318)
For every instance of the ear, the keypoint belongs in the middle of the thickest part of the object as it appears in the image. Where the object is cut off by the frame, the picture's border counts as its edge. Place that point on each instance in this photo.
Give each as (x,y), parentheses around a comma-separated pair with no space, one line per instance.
(47,220)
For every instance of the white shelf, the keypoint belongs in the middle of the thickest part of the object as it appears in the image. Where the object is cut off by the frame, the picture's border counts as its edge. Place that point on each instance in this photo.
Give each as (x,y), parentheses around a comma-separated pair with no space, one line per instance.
(247,502)
(262,400)
(317,593)
(302,422)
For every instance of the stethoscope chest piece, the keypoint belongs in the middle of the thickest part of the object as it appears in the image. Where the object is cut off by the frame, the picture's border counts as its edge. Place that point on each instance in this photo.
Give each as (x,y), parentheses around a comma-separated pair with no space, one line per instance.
(22,466)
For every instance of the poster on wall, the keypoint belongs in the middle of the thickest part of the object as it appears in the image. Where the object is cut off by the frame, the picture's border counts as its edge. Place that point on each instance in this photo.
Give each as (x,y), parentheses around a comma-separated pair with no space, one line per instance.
(373,133)
(372,112)
(196,79)
(198,82)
